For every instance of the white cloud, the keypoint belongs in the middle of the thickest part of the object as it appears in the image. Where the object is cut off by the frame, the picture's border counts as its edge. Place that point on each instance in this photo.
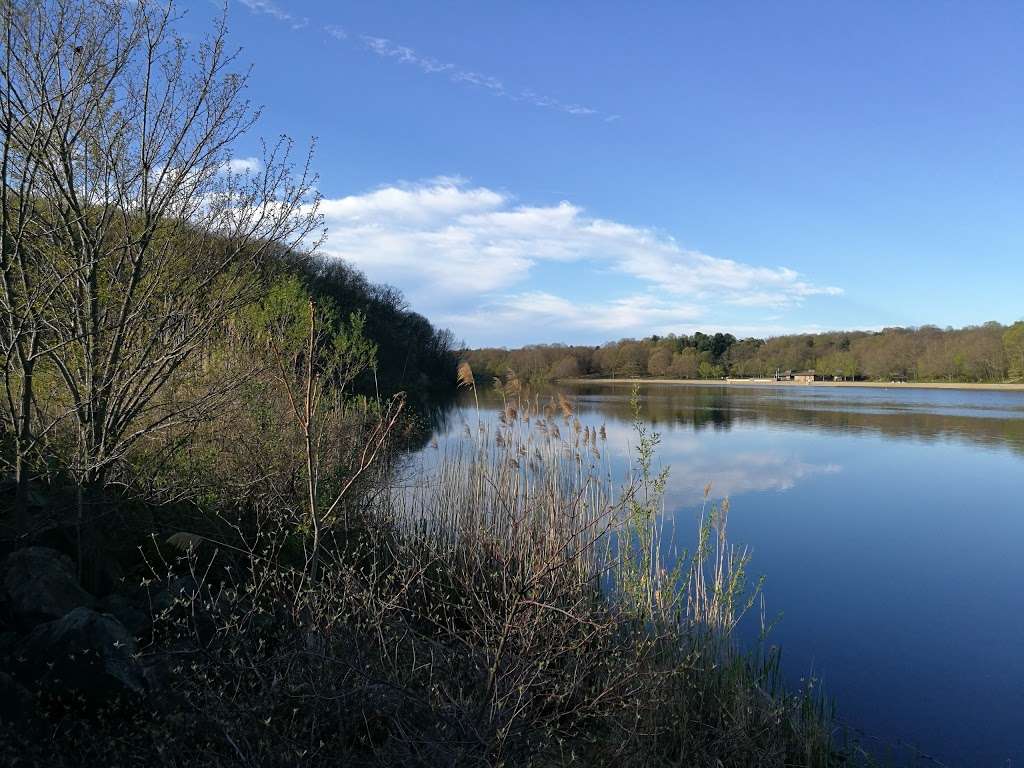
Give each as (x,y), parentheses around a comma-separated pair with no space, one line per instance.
(275,11)
(539,100)
(469,256)
(336,31)
(242,165)
(640,313)
(475,78)
(662,262)
(405,55)
(413,205)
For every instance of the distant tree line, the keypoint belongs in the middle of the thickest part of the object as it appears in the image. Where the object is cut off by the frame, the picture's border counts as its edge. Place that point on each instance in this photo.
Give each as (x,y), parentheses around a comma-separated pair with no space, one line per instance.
(984,353)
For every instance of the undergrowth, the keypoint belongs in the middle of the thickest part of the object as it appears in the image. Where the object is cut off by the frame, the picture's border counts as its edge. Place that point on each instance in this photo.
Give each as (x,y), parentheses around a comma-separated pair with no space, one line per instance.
(506,603)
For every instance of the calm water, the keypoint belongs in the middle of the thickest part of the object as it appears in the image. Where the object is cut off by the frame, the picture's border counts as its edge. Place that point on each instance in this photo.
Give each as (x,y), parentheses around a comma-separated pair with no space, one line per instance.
(890,526)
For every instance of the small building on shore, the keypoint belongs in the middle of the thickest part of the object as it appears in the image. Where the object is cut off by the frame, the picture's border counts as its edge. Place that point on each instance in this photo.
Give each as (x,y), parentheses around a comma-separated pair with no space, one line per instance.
(804,377)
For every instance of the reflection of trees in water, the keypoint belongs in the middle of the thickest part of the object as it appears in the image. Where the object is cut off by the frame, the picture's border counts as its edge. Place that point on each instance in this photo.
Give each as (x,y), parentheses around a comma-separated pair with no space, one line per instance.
(720,408)
(430,415)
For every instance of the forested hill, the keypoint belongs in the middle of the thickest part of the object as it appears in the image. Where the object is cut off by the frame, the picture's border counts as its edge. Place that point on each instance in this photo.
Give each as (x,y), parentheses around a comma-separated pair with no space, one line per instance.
(987,353)
(411,354)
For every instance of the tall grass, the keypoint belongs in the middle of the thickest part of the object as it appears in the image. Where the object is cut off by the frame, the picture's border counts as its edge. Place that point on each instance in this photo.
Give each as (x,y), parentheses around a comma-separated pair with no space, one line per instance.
(549,541)
(515,603)
(537,485)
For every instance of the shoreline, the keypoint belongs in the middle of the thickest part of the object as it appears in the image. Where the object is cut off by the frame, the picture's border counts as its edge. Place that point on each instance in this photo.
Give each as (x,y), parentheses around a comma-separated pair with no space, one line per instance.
(998,387)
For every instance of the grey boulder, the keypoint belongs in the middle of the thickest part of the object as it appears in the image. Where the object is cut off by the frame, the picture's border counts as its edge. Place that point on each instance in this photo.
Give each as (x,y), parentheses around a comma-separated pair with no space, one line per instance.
(40,585)
(84,655)
(134,619)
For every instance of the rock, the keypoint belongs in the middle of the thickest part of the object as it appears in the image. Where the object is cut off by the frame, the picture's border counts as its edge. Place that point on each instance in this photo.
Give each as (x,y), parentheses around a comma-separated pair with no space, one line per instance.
(40,585)
(156,672)
(134,619)
(110,575)
(84,654)
(15,700)
(7,642)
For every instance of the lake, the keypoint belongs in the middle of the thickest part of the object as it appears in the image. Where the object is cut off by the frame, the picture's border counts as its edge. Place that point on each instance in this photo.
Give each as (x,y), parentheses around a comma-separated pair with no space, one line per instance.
(889,524)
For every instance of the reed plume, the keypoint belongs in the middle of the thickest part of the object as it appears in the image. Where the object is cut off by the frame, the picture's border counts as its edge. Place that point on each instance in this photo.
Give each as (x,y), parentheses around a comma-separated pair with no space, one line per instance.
(464,377)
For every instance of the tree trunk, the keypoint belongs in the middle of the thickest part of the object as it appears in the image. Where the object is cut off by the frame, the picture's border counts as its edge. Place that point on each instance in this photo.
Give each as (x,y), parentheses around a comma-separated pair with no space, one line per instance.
(23,439)
(88,494)
(21,521)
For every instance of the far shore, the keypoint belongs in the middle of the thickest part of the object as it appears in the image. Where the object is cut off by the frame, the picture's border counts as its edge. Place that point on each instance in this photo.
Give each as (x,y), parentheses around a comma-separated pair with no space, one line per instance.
(1017,387)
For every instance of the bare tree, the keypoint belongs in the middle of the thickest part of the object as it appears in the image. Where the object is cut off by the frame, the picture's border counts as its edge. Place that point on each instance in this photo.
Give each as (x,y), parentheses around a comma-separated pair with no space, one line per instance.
(316,365)
(122,198)
(27,279)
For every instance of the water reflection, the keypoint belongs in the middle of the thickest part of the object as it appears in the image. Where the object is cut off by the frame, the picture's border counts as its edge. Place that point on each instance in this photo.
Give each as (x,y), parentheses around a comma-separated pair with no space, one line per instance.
(889,524)
(983,417)
(694,461)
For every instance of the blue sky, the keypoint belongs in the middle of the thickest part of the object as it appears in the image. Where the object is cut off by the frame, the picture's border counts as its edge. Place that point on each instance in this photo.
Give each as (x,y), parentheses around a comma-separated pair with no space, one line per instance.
(578,172)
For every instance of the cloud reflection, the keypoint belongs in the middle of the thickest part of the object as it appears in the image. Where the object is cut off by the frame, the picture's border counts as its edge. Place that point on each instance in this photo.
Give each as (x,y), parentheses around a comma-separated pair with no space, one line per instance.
(694,462)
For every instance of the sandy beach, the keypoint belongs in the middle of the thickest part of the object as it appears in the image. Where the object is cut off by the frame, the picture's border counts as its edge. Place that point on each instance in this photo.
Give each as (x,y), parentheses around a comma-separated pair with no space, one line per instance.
(1016,387)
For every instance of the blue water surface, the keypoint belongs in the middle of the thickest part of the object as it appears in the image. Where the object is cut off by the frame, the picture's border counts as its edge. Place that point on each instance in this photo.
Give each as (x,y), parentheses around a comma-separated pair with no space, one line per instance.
(889,524)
